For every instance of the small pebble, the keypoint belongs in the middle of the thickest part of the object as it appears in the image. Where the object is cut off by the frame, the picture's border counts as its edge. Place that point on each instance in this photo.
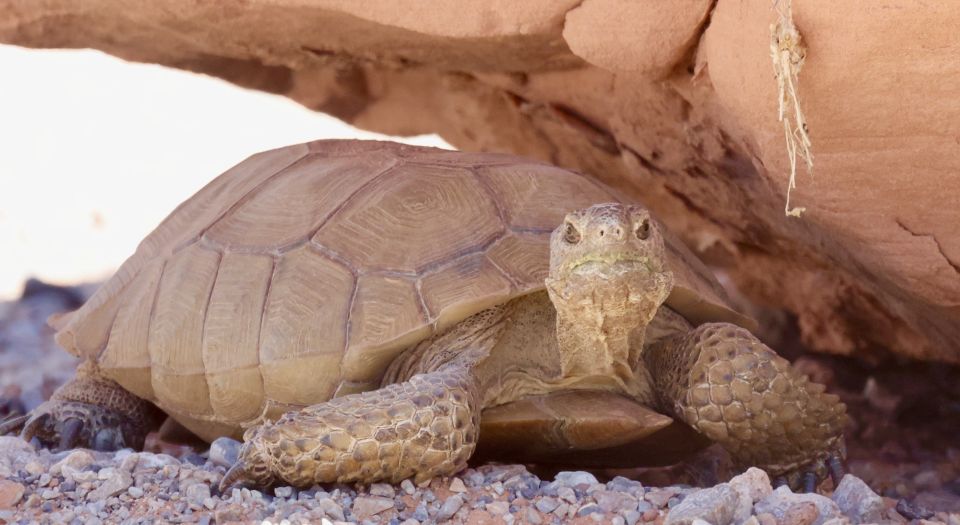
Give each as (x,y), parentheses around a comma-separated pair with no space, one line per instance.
(420,514)
(532,516)
(383,490)
(407,487)
(197,493)
(546,504)
(450,507)
(224,451)
(456,485)
(912,511)
(498,507)
(573,479)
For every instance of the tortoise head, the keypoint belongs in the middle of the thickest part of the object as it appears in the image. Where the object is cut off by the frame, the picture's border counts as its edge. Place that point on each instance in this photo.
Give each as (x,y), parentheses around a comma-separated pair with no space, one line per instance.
(608,276)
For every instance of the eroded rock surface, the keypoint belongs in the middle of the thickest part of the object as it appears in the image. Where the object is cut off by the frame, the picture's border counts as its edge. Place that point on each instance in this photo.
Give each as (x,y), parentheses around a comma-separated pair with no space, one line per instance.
(674,103)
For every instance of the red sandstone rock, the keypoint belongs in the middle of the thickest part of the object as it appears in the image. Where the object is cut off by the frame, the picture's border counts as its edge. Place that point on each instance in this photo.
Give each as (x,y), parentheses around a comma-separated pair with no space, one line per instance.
(675,103)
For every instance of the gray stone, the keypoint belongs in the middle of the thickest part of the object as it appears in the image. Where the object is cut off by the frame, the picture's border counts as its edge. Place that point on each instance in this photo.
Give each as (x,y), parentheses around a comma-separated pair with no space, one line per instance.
(117,483)
(782,503)
(473,478)
(283,492)
(567,494)
(331,509)
(751,486)
(493,473)
(15,454)
(450,507)
(384,490)
(224,451)
(498,507)
(367,506)
(718,505)
(632,517)
(575,478)
(532,516)
(420,513)
(857,501)
(135,492)
(614,501)
(130,462)
(622,484)
(659,497)
(546,504)
(588,509)
(197,493)
(77,459)
(407,487)
(156,461)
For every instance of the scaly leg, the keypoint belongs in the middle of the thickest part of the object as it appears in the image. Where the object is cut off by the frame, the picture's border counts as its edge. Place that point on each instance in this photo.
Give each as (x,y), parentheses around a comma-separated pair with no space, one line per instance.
(88,411)
(732,388)
(423,422)
(424,427)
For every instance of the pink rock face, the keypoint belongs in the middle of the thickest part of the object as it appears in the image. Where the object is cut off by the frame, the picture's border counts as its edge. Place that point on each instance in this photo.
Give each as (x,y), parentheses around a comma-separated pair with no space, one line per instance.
(674,103)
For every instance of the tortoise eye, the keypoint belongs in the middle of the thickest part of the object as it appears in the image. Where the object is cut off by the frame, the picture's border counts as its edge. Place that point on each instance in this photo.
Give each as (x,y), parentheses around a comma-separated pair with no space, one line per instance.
(570,234)
(643,230)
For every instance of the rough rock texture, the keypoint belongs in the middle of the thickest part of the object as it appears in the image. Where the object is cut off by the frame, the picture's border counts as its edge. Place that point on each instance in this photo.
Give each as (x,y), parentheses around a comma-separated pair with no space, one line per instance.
(673,102)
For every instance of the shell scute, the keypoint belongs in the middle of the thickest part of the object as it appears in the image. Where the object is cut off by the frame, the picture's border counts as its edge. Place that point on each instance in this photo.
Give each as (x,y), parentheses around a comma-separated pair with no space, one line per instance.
(538,196)
(304,326)
(412,217)
(384,320)
(296,201)
(231,335)
(176,331)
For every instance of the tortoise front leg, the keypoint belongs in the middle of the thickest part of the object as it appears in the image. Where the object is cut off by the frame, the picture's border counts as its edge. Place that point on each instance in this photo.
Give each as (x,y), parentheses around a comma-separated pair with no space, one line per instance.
(720,379)
(424,427)
(88,411)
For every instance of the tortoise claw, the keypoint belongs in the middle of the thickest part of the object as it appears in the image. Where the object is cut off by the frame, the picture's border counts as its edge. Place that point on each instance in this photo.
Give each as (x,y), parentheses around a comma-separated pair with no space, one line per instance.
(35,426)
(237,475)
(67,425)
(809,481)
(837,469)
(70,432)
(12,424)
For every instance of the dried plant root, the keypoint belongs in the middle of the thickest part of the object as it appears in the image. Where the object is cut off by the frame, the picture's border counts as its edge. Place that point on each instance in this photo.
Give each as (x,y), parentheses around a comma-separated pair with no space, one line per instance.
(788,53)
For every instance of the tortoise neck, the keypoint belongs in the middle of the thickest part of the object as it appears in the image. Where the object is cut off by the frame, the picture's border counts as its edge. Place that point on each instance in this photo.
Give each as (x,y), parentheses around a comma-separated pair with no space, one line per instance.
(596,341)
(601,326)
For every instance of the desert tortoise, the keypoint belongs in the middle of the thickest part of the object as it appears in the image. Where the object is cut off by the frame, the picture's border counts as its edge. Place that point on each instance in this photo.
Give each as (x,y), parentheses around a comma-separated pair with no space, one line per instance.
(375,297)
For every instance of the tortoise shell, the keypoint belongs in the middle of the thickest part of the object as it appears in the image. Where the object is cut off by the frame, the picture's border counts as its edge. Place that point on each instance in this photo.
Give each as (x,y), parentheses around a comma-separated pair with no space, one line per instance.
(302,272)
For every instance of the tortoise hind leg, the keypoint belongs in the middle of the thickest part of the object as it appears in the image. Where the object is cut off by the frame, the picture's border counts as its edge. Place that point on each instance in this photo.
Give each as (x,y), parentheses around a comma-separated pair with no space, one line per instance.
(733,389)
(88,411)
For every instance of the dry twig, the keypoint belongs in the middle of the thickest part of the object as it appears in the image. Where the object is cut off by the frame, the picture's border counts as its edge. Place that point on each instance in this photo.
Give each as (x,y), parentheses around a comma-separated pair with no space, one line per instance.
(788,54)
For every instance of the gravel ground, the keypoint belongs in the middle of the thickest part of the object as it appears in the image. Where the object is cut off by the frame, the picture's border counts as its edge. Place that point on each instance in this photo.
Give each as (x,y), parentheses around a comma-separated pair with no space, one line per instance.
(172,484)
